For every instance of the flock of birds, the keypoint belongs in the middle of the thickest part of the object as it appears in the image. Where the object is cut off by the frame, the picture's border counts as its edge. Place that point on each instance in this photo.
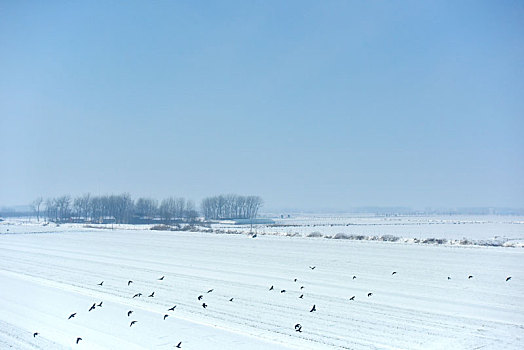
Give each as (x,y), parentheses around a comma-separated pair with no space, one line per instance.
(298,326)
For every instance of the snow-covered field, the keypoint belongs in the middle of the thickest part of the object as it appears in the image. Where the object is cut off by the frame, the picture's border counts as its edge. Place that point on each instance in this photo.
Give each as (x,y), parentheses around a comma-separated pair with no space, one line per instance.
(52,272)
(482,229)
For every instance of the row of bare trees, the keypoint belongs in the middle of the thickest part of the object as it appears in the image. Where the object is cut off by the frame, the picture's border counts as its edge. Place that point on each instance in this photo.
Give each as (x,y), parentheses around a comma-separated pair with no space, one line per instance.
(122,209)
(231,206)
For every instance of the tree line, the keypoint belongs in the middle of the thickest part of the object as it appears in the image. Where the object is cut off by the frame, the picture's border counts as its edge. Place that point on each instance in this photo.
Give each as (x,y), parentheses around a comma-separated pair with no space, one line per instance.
(231,206)
(123,209)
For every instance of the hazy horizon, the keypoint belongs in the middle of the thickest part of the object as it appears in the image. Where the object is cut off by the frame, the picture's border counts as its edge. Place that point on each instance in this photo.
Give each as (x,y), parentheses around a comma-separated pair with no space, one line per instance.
(307,104)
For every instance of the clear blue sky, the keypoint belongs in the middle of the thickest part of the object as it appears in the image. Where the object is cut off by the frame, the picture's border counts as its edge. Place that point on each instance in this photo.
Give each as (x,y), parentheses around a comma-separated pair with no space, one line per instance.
(309,104)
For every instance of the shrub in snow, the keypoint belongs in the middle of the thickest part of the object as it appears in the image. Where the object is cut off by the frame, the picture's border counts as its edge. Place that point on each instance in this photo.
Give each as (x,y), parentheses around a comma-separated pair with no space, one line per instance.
(492,243)
(358,237)
(435,241)
(315,234)
(389,238)
(292,234)
(160,228)
(466,241)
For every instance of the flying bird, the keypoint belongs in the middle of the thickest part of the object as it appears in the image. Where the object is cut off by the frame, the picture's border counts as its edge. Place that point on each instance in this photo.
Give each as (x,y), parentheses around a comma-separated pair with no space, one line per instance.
(71,316)
(312,267)
(132,323)
(394,272)
(352,298)
(166,316)
(298,327)
(152,295)
(254,236)
(354,277)
(470,276)
(100,305)
(209,291)
(78,339)
(301,296)
(161,278)
(449,278)
(200,297)
(302,287)
(271,288)
(35,334)
(172,309)
(204,305)
(101,283)
(295,280)
(508,278)
(179,345)
(370,294)
(129,313)
(137,295)
(92,307)
(231,299)
(313,308)
(129,282)
(283,291)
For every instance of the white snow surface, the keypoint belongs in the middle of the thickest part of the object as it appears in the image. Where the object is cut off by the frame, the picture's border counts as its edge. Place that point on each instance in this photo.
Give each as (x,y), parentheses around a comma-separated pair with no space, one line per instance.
(477,229)
(51,272)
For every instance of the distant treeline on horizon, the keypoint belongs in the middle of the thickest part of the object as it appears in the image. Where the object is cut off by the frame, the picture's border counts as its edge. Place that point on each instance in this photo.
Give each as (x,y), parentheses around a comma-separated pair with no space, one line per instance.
(123,209)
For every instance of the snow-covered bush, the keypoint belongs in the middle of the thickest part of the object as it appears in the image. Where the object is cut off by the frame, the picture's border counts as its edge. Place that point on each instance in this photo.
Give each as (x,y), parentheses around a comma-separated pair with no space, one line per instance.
(389,238)
(314,234)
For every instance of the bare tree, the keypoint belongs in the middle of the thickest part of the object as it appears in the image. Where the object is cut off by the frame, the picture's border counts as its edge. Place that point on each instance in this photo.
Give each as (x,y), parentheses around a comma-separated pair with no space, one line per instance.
(231,207)
(35,205)
(146,207)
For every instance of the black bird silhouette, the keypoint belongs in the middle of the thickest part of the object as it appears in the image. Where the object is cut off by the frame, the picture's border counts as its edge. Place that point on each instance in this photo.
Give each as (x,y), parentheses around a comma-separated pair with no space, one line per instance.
(370,294)
(312,267)
(166,316)
(200,297)
(137,295)
(470,276)
(78,339)
(209,291)
(298,327)
(271,288)
(231,299)
(449,278)
(295,280)
(35,334)
(354,277)
(101,283)
(508,278)
(179,345)
(254,236)
(129,282)
(100,305)
(204,305)
(283,291)
(394,272)
(129,313)
(92,307)
(152,295)
(172,309)
(161,278)
(352,298)
(132,323)
(313,308)
(71,316)
(302,287)
(301,296)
